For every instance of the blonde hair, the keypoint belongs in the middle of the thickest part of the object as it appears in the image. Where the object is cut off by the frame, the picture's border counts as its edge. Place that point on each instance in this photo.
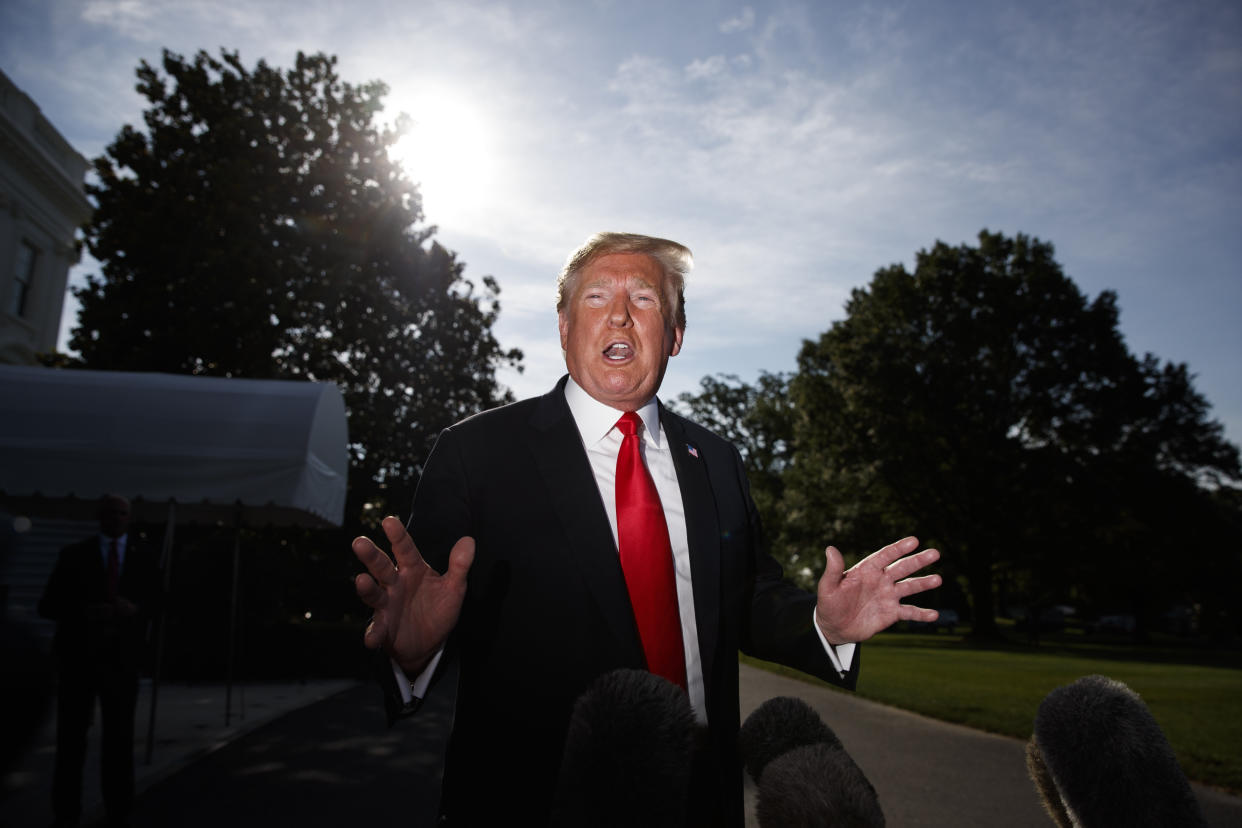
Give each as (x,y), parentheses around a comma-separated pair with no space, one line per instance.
(674,259)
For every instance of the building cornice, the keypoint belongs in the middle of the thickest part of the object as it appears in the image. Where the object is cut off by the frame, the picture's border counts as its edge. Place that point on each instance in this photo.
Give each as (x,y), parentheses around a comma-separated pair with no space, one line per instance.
(27,141)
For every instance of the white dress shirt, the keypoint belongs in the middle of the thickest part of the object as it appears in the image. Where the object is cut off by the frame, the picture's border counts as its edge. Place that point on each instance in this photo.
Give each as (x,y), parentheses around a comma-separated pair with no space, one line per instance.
(105,545)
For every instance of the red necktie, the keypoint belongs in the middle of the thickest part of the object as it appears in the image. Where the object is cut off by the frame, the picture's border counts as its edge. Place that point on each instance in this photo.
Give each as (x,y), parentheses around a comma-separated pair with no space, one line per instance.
(647,558)
(114,568)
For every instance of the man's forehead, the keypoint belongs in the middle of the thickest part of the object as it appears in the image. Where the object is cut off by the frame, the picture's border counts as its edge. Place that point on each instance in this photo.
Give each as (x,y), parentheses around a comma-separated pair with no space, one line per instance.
(623,261)
(632,279)
(633,267)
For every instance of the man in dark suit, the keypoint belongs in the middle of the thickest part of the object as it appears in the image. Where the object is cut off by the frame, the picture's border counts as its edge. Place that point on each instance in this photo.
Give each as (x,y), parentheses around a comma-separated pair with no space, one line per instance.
(101,594)
(523,574)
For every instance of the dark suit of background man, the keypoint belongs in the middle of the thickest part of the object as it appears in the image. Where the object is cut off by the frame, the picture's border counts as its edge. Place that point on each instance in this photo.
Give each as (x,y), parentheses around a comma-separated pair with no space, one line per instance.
(101,595)
(520,579)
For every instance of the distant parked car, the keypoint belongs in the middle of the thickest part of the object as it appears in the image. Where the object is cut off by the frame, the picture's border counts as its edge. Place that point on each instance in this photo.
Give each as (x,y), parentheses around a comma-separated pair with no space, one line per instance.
(1181,619)
(1050,619)
(948,620)
(1114,624)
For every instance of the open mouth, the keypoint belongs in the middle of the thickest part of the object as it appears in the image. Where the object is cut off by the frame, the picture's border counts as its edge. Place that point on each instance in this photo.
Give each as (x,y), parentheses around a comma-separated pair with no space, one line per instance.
(618,352)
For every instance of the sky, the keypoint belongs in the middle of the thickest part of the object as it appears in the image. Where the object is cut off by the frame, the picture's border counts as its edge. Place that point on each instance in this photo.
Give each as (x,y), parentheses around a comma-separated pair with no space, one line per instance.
(795,147)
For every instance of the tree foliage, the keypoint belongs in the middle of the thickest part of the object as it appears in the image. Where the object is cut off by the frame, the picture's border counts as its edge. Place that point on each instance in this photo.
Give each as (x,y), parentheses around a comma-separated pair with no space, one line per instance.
(758,420)
(986,404)
(258,228)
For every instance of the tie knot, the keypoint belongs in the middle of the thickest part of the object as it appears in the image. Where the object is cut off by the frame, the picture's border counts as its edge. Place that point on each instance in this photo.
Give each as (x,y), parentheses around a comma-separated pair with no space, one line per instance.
(629,423)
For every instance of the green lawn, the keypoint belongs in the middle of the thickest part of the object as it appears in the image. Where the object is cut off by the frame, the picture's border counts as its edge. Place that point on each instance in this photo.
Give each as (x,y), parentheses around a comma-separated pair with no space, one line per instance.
(1195,696)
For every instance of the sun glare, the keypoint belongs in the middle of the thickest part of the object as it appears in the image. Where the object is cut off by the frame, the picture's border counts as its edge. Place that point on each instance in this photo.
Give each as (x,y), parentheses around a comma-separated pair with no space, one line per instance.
(447,150)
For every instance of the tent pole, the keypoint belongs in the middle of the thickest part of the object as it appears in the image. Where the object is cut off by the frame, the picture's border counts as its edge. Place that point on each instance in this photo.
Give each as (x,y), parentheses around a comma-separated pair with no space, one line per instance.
(228,691)
(160,621)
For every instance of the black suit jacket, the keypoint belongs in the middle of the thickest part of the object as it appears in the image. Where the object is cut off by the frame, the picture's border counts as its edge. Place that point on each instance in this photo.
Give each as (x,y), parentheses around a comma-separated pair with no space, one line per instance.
(86,637)
(546,608)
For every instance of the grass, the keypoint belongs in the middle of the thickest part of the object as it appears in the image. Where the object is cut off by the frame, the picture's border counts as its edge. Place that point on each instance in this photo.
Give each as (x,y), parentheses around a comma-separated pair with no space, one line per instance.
(1195,696)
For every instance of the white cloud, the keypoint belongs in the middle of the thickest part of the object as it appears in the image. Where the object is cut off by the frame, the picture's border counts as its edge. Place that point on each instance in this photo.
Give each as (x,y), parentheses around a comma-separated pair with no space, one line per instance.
(131,18)
(710,67)
(163,21)
(741,22)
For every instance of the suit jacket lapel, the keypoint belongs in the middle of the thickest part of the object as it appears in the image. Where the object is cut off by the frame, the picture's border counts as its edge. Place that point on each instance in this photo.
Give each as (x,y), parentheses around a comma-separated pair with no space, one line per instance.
(703,533)
(563,464)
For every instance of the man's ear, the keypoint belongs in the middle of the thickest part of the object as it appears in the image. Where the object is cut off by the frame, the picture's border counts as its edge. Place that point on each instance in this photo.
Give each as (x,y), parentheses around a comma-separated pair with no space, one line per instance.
(562,322)
(677,335)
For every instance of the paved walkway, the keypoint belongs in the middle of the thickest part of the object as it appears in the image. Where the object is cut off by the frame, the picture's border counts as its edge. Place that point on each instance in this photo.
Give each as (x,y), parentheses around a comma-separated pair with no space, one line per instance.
(191,723)
(317,753)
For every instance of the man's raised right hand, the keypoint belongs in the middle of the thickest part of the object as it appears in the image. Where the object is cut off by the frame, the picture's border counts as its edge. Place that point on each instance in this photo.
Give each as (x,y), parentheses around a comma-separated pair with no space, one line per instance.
(415,607)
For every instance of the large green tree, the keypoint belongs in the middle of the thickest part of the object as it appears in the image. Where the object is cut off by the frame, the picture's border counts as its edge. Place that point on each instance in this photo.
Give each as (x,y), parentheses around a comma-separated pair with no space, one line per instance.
(984,402)
(257,227)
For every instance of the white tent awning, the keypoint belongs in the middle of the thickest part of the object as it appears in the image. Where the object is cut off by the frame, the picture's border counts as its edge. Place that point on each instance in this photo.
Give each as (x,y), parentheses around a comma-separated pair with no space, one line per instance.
(278,448)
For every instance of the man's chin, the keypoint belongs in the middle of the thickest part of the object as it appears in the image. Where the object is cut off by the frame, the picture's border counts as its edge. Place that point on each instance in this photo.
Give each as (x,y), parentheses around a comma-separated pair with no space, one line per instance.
(620,392)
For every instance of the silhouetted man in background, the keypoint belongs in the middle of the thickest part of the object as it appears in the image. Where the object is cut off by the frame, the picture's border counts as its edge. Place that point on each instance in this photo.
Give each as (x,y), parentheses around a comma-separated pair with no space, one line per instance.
(101,595)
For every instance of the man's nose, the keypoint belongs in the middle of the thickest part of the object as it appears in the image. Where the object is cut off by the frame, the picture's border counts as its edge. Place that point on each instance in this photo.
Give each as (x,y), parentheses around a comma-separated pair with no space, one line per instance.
(619,312)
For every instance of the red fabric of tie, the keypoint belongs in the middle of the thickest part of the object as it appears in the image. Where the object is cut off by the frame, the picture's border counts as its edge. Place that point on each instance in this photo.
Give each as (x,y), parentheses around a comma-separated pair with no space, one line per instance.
(114,568)
(647,558)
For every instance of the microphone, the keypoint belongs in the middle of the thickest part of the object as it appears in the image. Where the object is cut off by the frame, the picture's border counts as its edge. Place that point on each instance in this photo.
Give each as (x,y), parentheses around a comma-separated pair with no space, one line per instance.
(628,752)
(778,726)
(1098,758)
(805,776)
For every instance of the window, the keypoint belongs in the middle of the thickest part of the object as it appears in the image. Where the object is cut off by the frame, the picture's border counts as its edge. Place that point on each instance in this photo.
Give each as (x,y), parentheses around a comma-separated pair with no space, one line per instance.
(27,258)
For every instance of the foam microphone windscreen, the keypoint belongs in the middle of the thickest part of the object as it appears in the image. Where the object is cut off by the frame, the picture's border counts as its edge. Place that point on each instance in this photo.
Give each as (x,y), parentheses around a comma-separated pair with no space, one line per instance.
(805,776)
(816,785)
(1099,758)
(628,752)
(778,726)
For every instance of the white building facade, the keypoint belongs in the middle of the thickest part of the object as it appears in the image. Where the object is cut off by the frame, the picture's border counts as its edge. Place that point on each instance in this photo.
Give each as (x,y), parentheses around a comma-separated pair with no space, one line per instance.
(42,204)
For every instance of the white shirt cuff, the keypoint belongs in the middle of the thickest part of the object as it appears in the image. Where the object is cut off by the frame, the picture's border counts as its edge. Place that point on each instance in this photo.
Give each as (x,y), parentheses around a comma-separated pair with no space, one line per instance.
(841,655)
(415,688)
